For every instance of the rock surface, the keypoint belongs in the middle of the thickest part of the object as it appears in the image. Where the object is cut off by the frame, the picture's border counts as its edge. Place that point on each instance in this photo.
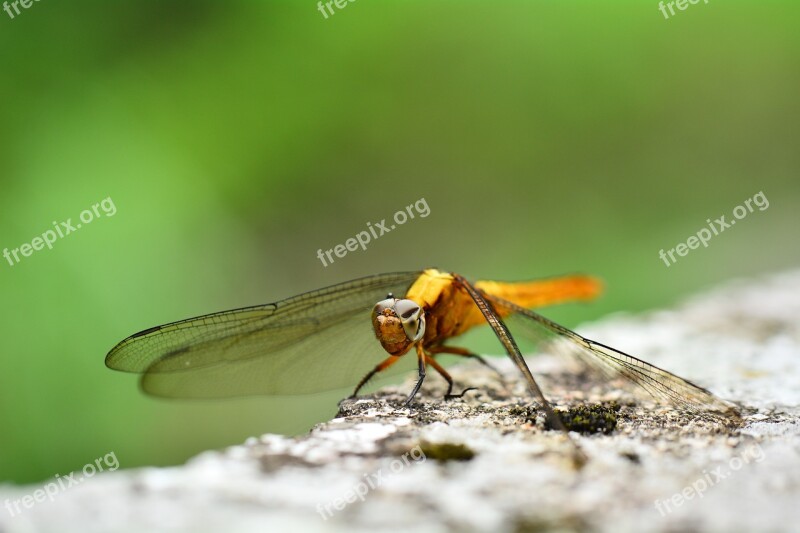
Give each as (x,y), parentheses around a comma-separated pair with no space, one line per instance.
(485,462)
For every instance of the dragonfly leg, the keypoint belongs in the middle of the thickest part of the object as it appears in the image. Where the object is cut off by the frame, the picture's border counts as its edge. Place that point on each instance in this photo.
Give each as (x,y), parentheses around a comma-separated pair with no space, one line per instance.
(446,375)
(421,358)
(504,336)
(383,365)
(466,353)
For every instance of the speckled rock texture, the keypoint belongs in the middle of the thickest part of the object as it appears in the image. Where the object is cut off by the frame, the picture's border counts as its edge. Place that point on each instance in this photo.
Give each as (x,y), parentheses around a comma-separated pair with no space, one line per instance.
(485,462)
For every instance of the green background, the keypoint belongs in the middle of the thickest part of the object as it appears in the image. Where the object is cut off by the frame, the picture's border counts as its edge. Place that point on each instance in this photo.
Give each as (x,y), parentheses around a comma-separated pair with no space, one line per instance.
(237,138)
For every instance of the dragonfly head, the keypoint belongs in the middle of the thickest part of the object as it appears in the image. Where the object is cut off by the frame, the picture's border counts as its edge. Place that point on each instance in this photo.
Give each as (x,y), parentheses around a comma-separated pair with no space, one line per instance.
(398,324)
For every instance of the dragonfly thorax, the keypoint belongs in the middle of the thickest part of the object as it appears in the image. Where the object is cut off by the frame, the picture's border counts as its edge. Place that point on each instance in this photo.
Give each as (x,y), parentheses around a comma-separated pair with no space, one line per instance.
(398,324)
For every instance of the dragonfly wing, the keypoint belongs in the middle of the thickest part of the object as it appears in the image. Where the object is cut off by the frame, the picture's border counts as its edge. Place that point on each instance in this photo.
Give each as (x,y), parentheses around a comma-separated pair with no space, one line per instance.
(660,384)
(320,340)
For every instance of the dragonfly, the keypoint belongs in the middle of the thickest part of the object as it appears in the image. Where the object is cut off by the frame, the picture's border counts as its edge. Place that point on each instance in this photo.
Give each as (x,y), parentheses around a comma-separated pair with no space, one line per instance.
(324,339)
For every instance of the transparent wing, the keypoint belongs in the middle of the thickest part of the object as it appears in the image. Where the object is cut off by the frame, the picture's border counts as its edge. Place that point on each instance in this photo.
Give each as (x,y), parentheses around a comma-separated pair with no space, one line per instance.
(317,341)
(662,385)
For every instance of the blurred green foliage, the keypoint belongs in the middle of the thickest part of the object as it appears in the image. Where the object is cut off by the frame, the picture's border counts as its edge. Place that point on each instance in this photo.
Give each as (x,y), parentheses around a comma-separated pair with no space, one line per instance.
(237,138)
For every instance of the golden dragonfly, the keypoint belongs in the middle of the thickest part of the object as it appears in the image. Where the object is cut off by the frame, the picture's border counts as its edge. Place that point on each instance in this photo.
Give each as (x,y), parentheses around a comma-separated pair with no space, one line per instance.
(321,340)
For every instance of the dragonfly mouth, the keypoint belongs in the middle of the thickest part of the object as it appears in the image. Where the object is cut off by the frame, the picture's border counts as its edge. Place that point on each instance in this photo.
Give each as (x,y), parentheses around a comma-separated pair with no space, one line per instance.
(390,332)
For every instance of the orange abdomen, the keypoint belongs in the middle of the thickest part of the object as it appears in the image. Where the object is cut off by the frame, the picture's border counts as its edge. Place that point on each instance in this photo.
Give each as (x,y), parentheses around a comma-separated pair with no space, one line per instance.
(461,313)
(450,310)
(541,293)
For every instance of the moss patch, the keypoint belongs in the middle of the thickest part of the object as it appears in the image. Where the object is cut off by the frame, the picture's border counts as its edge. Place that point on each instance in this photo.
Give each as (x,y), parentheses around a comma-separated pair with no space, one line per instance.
(445,451)
(589,419)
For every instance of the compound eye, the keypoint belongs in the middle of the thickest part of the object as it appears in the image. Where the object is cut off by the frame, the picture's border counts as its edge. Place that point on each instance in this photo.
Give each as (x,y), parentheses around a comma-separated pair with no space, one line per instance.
(383,305)
(407,309)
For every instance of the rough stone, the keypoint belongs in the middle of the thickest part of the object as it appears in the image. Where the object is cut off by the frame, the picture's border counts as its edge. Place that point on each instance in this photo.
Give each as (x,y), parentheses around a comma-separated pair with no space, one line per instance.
(486,462)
